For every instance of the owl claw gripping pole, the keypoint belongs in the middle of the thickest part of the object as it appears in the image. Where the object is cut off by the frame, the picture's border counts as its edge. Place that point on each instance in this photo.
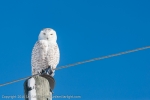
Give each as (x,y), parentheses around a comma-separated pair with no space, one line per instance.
(48,71)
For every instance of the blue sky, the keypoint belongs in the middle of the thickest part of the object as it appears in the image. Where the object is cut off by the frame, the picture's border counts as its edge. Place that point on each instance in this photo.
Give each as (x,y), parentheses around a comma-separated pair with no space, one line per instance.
(85,29)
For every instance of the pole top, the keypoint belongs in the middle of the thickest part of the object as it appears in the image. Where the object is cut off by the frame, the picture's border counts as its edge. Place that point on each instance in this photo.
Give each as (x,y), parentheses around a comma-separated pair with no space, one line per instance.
(50,79)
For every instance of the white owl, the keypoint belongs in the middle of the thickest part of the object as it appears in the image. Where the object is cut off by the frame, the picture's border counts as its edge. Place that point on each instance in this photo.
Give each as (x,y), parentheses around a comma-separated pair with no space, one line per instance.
(45,53)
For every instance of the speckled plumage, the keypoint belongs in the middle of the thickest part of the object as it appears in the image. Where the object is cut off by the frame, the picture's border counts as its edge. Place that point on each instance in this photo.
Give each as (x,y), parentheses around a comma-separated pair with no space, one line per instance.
(45,52)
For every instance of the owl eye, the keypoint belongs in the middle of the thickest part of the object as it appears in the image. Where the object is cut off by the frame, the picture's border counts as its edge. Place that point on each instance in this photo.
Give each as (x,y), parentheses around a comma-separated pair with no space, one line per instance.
(44,33)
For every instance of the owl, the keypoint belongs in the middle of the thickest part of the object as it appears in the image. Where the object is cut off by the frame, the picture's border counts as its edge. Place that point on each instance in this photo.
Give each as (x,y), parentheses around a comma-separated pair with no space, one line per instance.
(45,54)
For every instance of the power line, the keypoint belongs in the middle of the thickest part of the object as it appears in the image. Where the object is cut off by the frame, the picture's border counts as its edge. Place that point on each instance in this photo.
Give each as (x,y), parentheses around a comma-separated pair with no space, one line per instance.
(104,57)
(86,61)
(14,81)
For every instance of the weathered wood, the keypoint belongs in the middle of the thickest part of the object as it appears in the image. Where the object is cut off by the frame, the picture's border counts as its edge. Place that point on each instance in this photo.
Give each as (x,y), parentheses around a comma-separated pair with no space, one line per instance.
(50,79)
(42,88)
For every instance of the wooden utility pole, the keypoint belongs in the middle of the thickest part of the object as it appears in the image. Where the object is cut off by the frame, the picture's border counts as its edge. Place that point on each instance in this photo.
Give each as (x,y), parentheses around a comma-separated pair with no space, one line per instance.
(39,87)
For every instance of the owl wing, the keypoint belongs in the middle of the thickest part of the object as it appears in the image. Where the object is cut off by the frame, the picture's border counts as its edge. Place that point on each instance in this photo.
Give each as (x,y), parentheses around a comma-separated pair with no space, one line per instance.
(39,59)
(53,55)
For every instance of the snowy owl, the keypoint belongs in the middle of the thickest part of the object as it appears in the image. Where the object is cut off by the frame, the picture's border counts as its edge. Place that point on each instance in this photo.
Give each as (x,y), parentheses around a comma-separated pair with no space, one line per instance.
(45,53)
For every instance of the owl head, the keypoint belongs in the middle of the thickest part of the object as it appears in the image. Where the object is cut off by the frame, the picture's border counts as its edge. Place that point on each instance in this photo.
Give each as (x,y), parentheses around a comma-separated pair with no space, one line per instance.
(48,34)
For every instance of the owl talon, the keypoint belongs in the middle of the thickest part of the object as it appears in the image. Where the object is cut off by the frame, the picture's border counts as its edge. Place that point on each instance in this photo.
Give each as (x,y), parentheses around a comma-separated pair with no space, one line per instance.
(42,72)
(48,71)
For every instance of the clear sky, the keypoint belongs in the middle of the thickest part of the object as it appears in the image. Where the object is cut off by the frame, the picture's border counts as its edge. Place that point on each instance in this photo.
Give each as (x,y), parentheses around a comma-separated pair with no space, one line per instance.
(85,29)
